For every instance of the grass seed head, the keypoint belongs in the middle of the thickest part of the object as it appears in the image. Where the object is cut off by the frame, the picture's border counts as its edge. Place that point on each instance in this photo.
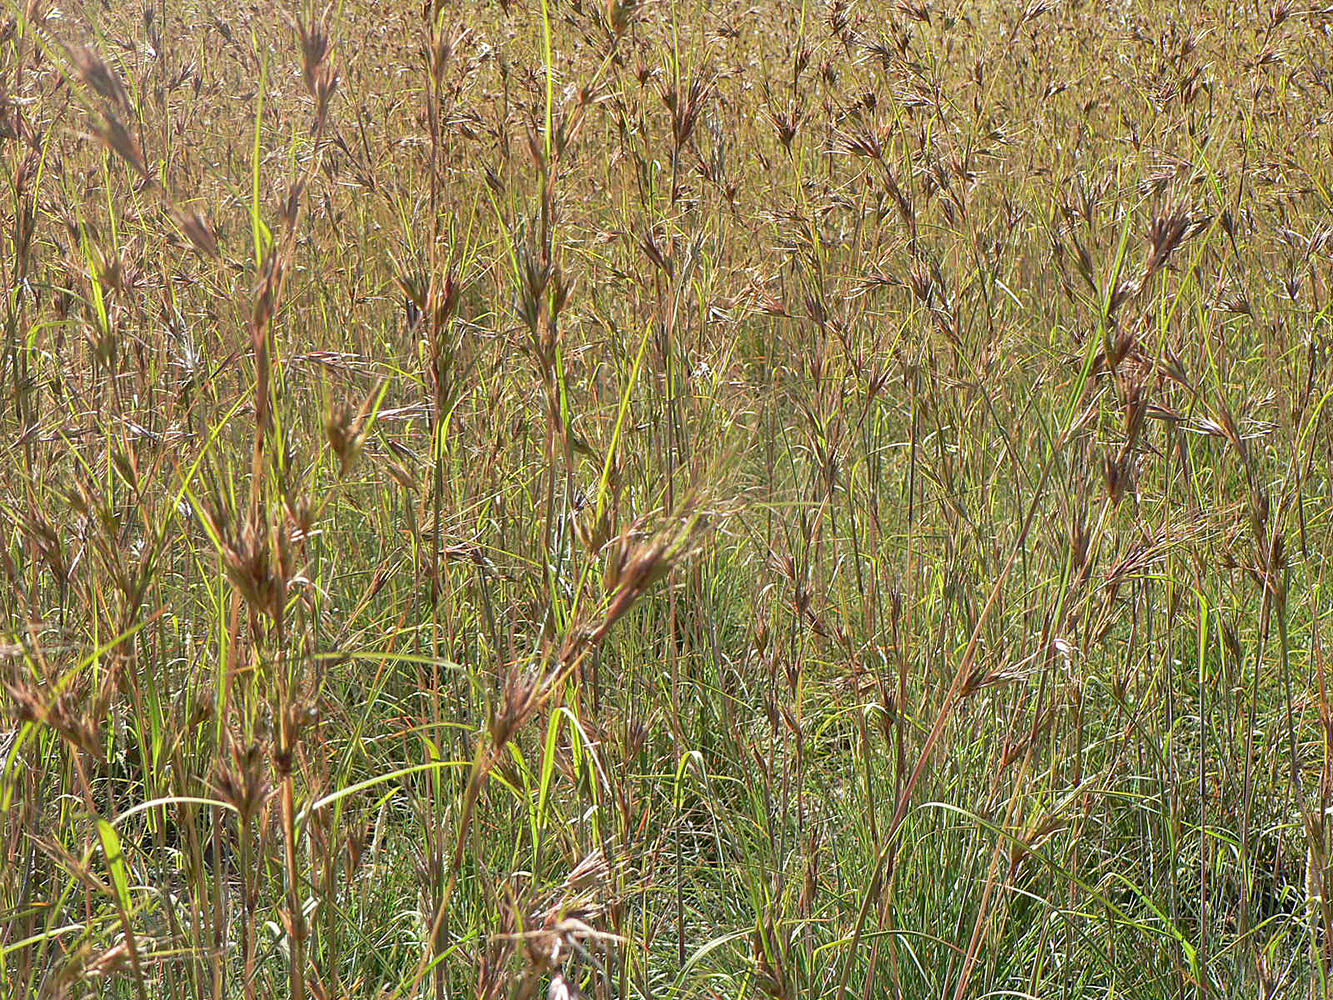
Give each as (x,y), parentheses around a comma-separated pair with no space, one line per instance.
(241,780)
(95,73)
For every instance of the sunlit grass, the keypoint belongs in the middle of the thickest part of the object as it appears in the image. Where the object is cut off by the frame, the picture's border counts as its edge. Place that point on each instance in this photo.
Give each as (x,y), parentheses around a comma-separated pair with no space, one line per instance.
(663,500)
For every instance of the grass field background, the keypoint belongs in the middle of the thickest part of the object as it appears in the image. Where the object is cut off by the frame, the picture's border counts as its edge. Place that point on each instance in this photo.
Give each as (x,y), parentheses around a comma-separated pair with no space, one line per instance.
(665,500)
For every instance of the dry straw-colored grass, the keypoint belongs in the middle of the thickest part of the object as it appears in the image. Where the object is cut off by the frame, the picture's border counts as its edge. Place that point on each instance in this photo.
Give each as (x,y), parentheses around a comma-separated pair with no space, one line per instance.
(662,500)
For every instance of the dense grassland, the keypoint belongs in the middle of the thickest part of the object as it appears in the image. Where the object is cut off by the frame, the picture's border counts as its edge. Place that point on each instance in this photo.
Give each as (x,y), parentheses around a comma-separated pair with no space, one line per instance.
(823,500)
